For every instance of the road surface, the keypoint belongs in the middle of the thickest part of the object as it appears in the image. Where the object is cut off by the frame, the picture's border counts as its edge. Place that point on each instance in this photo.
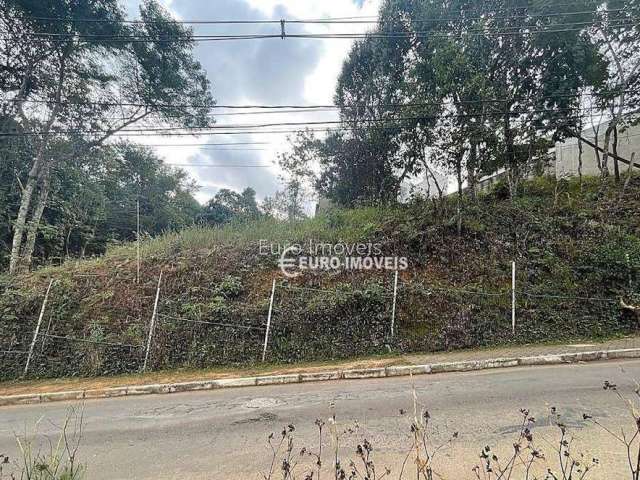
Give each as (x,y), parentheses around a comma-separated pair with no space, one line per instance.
(223,434)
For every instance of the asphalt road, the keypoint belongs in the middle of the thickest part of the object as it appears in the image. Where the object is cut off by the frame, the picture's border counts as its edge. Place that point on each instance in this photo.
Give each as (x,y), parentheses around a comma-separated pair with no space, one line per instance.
(223,434)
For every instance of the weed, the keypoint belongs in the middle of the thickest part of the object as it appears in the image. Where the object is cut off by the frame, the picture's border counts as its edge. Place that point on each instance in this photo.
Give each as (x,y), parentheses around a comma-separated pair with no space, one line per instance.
(60,462)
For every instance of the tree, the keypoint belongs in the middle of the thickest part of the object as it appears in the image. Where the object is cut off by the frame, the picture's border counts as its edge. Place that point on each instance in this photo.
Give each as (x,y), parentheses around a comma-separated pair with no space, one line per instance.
(132,173)
(298,179)
(287,203)
(215,214)
(523,83)
(369,88)
(89,79)
(227,206)
(14,155)
(93,197)
(619,42)
(352,172)
(366,160)
(241,204)
(503,78)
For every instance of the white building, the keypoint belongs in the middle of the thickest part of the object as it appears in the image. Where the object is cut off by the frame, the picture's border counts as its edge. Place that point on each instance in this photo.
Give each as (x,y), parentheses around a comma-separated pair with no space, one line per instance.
(564,164)
(567,152)
(423,185)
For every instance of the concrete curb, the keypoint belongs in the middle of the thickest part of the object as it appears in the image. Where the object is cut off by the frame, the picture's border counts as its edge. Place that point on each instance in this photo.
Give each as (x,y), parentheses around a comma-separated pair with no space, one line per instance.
(393,371)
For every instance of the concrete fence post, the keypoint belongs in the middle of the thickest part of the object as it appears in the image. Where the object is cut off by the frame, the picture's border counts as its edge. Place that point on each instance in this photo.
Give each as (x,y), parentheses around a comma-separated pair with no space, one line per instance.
(266,334)
(138,242)
(152,324)
(393,308)
(513,297)
(37,330)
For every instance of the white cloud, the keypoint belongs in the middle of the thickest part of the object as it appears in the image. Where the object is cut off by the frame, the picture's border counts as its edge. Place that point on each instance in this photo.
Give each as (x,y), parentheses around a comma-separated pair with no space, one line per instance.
(268,71)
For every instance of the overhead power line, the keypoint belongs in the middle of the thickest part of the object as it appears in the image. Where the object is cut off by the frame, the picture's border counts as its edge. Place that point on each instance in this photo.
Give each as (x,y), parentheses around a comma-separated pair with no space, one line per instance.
(224,128)
(505,31)
(259,132)
(236,149)
(210,165)
(486,16)
(305,107)
(215,149)
(330,20)
(364,120)
(279,111)
(204,144)
(261,112)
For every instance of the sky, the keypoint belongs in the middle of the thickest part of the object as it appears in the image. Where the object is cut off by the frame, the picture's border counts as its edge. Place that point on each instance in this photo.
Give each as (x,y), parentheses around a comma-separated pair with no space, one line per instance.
(262,72)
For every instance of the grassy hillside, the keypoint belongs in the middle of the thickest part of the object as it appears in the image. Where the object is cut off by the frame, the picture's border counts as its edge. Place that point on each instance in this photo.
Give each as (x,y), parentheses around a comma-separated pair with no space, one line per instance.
(577,250)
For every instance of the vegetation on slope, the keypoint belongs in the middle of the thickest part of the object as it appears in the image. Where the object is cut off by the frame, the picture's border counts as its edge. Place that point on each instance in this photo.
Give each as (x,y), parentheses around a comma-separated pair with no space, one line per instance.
(577,250)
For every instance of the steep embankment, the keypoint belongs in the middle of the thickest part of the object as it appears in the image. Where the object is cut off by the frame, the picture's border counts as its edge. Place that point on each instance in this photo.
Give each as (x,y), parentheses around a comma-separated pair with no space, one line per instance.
(577,251)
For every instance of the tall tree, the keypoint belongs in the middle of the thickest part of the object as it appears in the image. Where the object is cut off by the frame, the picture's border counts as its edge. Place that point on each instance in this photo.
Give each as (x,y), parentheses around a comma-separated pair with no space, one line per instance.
(618,39)
(227,206)
(76,69)
(92,199)
(370,95)
(298,180)
(504,77)
(287,203)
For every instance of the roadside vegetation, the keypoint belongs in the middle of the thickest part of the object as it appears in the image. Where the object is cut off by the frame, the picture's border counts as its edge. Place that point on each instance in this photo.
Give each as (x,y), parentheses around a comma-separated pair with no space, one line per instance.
(576,246)
(420,104)
(535,453)
(54,457)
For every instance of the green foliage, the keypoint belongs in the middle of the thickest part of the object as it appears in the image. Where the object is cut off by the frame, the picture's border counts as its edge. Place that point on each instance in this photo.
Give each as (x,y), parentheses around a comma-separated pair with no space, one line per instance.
(217,307)
(228,206)
(337,225)
(575,259)
(230,287)
(614,260)
(94,201)
(135,81)
(469,103)
(339,323)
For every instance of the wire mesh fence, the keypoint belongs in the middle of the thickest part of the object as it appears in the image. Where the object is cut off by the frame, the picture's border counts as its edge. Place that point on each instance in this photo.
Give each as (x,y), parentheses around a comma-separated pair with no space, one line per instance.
(205,341)
(307,322)
(312,323)
(434,318)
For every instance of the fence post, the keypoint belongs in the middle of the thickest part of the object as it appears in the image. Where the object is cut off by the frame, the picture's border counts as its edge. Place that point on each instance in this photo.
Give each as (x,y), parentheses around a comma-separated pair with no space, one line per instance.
(152,325)
(266,335)
(138,242)
(35,334)
(513,297)
(393,308)
(44,337)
